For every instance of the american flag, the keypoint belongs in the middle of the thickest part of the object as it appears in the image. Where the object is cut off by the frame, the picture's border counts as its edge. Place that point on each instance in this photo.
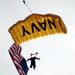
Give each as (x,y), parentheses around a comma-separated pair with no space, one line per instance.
(18,60)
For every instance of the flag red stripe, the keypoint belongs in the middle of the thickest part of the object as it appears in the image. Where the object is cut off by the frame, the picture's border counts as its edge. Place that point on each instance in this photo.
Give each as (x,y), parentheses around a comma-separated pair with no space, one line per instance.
(14,52)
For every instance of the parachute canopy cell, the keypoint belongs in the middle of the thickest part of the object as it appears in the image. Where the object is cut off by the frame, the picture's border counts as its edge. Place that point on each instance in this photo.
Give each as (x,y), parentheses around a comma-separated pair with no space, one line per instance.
(36,25)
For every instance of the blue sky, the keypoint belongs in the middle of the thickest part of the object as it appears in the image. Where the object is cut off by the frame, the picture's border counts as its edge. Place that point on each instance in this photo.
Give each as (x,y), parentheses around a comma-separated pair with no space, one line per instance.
(57,52)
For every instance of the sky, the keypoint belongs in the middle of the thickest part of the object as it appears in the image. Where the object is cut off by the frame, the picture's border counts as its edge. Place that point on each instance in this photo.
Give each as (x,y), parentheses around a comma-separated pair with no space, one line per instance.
(57,52)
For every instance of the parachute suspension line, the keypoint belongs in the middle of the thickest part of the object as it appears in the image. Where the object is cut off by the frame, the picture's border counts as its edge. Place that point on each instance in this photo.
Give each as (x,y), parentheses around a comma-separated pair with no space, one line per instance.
(27,6)
(27,47)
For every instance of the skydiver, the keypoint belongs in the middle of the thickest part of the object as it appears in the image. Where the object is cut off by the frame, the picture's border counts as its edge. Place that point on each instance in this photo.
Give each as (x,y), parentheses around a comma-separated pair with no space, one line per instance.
(33,62)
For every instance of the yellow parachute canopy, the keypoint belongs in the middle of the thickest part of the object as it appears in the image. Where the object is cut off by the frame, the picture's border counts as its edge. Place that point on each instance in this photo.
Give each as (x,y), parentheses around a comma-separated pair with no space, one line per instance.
(36,25)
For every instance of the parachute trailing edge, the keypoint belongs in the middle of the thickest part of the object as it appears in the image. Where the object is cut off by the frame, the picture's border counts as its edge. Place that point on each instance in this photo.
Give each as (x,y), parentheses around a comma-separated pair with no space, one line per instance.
(36,25)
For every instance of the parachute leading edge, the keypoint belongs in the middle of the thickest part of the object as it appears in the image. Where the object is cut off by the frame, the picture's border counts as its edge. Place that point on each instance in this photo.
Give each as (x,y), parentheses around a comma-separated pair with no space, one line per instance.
(36,25)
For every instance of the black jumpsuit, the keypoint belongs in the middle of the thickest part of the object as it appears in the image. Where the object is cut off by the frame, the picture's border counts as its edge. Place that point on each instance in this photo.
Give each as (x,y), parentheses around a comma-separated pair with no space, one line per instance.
(33,63)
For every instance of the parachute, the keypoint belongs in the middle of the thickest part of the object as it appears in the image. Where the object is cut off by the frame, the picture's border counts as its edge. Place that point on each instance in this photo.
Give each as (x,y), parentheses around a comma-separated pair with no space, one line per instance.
(37,25)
